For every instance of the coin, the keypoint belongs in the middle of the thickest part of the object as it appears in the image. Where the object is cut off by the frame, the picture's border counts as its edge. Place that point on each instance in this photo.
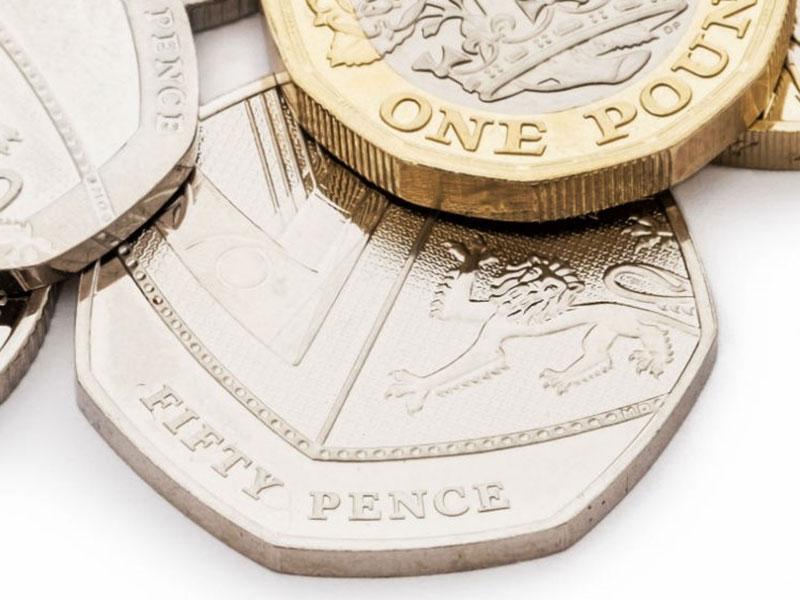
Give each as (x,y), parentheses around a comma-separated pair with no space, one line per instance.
(773,142)
(528,110)
(97,128)
(23,323)
(207,14)
(337,384)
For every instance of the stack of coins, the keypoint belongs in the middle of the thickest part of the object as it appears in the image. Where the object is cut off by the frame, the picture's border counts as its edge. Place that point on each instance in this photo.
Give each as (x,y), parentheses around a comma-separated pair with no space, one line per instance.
(418,301)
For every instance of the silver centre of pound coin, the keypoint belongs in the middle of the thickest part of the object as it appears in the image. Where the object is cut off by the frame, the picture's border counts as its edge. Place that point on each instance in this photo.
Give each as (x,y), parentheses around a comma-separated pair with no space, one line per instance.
(336,384)
(99,115)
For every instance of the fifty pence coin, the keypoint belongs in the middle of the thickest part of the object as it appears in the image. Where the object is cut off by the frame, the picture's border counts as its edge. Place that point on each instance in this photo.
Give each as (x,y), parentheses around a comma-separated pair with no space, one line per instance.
(529,110)
(99,115)
(773,142)
(23,323)
(337,384)
(207,14)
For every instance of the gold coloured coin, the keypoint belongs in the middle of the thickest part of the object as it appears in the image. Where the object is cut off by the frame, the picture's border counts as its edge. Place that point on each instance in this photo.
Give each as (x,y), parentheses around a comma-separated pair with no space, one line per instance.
(337,384)
(773,142)
(529,110)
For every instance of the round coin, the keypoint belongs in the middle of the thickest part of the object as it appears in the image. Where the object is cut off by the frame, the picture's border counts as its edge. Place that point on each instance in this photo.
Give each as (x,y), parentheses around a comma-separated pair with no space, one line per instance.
(773,142)
(99,115)
(337,384)
(23,324)
(529,110)
(207,14)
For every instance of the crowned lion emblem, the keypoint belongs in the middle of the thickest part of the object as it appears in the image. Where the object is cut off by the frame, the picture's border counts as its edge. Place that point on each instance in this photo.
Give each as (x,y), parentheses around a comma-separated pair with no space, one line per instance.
(540,297)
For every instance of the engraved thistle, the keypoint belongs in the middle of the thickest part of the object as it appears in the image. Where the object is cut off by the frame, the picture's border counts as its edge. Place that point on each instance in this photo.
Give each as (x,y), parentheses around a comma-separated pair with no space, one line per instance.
(499,48)
(539,297)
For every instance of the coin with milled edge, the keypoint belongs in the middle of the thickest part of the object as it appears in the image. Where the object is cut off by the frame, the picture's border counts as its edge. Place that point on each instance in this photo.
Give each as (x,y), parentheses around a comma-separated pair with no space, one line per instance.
(337,384)
(23,323)
(207,14)
(99,115)
(773,142)
(529,109)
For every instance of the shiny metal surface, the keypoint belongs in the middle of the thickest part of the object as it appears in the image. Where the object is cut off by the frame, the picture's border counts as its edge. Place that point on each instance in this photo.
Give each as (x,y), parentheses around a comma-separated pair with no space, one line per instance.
(207,14)
(99,113)
(524,110)
(337,384)
(23,325)
(773,142)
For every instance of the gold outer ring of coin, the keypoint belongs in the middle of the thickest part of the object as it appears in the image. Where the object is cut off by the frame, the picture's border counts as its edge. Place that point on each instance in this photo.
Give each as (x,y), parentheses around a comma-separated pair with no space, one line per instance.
(649,132)
(773,142)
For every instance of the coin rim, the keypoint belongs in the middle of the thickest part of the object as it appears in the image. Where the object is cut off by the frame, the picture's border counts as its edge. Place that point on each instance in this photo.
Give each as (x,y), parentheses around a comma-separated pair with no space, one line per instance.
(100,240)
(281,552)
(495,191)
(22,346)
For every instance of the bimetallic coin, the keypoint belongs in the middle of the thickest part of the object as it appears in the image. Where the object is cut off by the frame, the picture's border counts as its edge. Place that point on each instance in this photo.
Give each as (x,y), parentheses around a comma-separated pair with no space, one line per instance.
(23,323)
(773,142)
(335,384)
(207,14)
(529,110)
(99,116)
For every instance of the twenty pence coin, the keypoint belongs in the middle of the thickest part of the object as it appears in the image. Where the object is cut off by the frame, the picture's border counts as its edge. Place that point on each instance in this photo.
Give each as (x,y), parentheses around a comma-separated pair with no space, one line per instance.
(99,116)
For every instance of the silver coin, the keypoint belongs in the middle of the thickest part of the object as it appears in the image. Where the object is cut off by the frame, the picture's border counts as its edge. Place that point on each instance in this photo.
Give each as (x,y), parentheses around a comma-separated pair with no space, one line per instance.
(207,14)
(99,116)
(337,384)
(23,324)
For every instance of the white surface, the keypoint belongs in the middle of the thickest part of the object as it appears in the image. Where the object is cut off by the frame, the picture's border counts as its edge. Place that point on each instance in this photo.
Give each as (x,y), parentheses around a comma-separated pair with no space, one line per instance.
(717,516)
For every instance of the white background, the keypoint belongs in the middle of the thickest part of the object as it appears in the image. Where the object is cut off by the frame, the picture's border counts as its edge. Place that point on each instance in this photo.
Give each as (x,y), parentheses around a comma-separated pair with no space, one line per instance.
(717,516)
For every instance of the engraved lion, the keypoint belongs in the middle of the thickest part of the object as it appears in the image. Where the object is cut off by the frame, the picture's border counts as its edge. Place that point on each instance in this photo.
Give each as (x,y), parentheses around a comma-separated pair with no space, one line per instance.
(539,297)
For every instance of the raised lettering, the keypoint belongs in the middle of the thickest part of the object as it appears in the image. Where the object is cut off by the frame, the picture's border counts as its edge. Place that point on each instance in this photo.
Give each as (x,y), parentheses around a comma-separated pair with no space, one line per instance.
(164,398)
(263,481)
(13,187)
(186,417)
(453,121)
(611,120)
(364,507)
(688,62)
(517,137)
(679,92)
(391,112)
(723,15)
(450,508)
(492,497)
(322,503)
(205,438)
(412,502)
(234,457)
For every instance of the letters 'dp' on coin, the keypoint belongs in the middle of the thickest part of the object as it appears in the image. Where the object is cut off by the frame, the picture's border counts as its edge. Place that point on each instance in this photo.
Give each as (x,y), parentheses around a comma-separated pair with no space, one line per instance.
(336,384)
(99,115)
(529,110)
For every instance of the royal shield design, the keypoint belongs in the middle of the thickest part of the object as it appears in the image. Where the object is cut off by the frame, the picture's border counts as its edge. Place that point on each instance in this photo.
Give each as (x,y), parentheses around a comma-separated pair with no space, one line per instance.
(350,340)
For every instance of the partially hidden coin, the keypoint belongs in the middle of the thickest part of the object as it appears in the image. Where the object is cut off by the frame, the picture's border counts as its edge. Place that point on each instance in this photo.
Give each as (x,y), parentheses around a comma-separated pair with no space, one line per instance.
(207,14)
(337,384)
(23,324)
(99,116)
(773,142)
(533,110)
